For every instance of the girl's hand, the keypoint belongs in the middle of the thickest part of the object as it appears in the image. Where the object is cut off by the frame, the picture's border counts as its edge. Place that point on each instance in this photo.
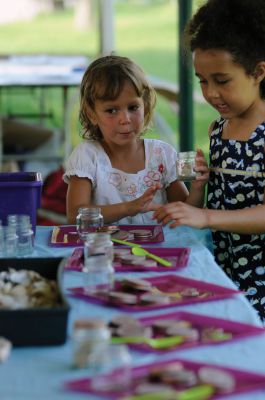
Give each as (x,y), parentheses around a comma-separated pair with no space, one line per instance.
(144,203)
(201,166)
(180,213)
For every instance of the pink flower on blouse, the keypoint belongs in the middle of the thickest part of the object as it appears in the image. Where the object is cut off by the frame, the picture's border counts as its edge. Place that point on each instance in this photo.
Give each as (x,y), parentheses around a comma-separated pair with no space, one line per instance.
(151,178)
(157,150)
(115,179)
(132,189)
(161,168)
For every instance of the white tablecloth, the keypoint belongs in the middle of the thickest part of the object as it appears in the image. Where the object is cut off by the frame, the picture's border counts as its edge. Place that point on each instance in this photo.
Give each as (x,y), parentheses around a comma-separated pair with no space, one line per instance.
(39,373)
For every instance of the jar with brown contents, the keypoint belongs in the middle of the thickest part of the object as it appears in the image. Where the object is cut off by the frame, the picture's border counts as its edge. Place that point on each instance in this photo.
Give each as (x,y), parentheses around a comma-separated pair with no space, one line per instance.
(90,339)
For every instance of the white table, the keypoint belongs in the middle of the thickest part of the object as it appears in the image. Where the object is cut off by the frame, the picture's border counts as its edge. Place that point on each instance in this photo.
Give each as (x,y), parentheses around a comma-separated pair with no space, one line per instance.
(44,71)
(38,373)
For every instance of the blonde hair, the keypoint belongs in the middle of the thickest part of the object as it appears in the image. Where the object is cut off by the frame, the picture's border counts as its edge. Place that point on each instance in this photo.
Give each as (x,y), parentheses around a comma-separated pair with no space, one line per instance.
(104,80)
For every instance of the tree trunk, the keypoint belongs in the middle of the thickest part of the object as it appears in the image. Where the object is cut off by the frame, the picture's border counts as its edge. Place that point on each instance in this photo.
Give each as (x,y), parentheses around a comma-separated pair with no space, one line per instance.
(83,17)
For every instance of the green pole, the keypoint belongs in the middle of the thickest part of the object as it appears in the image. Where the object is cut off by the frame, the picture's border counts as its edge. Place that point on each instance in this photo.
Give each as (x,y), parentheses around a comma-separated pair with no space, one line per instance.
(186,125)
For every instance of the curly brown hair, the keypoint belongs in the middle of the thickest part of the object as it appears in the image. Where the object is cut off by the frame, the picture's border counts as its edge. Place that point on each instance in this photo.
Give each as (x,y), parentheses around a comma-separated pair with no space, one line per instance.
(235,26)
(104,80)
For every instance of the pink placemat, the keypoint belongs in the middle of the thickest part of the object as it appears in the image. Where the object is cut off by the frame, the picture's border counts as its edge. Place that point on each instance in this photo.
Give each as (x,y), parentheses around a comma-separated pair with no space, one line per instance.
(167,285)
(109,385)
(237,330)
(67,236)
(179,258)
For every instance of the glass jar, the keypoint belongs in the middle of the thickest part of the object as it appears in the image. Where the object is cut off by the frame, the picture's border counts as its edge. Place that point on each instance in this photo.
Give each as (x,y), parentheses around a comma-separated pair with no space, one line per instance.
(12,220)
(99,273)
(25,240)
(116,361)
(88,220)
(11,241)
(186,165)
(98,244)
(90,340)
(21,225)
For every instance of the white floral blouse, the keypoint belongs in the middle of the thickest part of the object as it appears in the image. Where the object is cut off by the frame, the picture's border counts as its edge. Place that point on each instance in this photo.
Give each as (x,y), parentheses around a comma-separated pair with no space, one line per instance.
(111,185)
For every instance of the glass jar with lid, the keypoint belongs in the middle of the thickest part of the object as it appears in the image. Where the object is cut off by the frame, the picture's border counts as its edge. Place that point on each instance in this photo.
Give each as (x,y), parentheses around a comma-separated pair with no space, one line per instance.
(117,363)
(88,220)
(25,235)
(98,243)
(99,273)
(90,340)
(185,166)
(11,241)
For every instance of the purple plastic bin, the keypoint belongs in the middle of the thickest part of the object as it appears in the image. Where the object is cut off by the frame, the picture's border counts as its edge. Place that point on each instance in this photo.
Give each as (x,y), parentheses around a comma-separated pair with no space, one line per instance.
(20,193)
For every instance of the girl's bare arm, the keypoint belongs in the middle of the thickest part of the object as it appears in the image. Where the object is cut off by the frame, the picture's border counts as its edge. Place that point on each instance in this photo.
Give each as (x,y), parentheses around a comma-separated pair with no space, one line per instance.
(245,221)
(177,191)
(78,195)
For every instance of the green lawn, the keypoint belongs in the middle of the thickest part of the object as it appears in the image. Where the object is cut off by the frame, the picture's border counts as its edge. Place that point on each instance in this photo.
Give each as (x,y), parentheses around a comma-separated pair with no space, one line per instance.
(145,31)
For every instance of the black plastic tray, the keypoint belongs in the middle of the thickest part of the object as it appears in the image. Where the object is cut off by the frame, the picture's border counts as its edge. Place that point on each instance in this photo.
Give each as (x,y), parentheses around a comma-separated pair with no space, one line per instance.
(35,326)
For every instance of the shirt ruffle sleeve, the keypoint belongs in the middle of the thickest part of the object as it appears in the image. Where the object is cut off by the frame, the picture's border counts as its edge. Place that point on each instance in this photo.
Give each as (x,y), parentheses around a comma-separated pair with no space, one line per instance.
(170,158)
(82,163)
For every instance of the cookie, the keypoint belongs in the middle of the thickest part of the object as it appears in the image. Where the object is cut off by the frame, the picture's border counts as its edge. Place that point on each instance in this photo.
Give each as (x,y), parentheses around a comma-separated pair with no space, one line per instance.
(130,259)
(148,263)
(190,334)
(190,292)
(108,229)
(154,299)
(214,334)
(156,373)
(161,326)
(141,234)
(119,253)
(172,375)
(136,284)
(223,381)
(146,387)
(124,320)
(122,298)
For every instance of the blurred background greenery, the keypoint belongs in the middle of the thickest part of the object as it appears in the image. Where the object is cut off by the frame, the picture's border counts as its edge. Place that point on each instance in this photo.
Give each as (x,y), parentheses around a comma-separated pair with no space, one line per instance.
(146,31)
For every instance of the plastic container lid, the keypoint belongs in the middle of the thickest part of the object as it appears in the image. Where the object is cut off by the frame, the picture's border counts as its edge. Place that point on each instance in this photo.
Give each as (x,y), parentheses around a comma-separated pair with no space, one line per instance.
(10,177)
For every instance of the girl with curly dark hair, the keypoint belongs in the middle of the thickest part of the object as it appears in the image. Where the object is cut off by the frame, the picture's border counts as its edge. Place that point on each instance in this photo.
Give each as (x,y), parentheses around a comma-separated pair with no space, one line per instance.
(227,40)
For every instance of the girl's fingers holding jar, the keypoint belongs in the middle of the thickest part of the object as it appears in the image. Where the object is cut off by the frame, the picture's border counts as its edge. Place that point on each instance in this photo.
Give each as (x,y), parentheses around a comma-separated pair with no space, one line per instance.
(202,170)
(202,176)
(200,157)
(200,154)
(201,162)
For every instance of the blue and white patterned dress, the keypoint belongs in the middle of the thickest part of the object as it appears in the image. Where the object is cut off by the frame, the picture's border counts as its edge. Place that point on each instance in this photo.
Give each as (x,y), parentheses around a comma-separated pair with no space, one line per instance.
(240,256)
